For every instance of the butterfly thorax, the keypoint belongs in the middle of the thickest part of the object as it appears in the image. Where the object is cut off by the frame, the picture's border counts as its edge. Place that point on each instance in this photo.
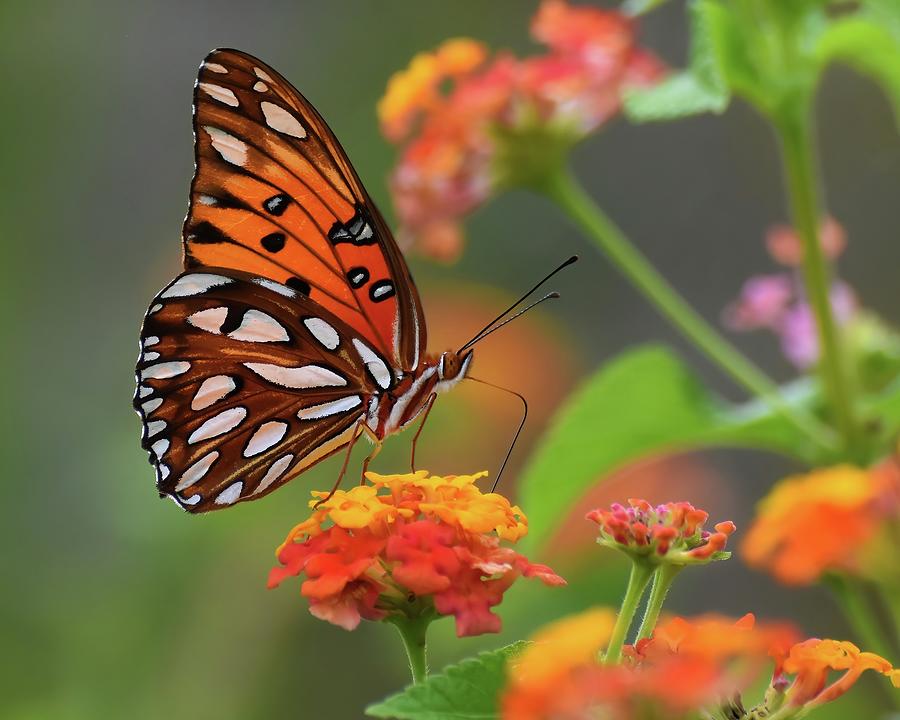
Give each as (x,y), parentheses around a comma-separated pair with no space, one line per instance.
(395,409)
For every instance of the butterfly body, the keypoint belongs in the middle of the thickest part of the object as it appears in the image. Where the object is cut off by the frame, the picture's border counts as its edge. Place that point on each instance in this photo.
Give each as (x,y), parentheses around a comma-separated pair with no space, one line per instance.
(296,326)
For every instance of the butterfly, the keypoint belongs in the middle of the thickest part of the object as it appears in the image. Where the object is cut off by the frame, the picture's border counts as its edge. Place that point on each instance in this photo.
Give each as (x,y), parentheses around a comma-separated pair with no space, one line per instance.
(296,327)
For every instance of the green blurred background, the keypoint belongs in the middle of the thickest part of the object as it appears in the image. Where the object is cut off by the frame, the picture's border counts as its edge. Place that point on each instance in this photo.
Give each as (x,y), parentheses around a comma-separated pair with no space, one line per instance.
(115,604)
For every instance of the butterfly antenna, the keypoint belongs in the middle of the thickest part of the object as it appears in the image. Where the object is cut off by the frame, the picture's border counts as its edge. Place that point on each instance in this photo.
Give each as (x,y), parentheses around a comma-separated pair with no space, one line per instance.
(518,430)
(549,296)
(518,302)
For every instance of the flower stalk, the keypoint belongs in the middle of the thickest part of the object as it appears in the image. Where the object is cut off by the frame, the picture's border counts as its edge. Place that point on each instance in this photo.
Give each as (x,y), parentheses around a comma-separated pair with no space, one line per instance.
(641,572)
(412,632)
(662,583)
(562,188)
(794,127)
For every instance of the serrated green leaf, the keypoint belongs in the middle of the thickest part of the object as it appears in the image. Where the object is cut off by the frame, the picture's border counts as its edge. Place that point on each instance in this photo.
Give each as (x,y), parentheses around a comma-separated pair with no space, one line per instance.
(642,403)
(869,47)
(468,690)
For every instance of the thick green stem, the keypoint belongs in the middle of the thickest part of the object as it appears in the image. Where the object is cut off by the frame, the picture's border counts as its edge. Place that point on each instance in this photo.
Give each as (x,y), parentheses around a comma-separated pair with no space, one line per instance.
(662,582)
(412,632)
(568,194)
(637,583)
(795,130)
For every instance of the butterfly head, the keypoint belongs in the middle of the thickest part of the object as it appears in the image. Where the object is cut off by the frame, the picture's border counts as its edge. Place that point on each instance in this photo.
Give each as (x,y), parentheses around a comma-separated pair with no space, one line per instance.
(452,367)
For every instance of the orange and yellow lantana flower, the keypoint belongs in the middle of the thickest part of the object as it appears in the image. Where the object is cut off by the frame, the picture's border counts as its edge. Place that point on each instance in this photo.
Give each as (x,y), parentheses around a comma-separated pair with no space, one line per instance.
(404,542)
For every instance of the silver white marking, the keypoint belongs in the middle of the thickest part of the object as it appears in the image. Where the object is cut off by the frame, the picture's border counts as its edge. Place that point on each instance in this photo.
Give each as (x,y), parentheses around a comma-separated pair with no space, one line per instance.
(155,427)
(229,494)
(399,407)
(209,320)
(144,391)
(275,287)
(151,405)
(260,86)
(330,408)
(193,500)
(194,284)
(163,471)
(215,67)
(269,434)
(323,332)
(224,422)
(156,308)
(375,365)
(382,289)
(281,120)
(262,75)
(256,326)
(151,356)
(228,146)
(207,199)
(217,92)
(196,471)
(159,448)
(275,471)
(305,376)
(372,414)
(212,390)
(164,370)
(150,341)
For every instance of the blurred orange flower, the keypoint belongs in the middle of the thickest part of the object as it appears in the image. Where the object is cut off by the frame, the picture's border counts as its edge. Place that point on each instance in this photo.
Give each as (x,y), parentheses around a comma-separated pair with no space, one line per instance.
(824,521)
(672,530)
(407,543)
(444,108)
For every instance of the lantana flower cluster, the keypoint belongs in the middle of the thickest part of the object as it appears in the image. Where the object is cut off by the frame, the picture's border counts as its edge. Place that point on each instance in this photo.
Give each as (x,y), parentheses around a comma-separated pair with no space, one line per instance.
(409,545)
(831,520)
(450,108)
(689,668)
(673,531)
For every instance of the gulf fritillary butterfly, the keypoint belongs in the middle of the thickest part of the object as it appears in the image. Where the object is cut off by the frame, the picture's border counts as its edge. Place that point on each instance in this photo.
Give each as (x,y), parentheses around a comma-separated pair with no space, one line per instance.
(296,327)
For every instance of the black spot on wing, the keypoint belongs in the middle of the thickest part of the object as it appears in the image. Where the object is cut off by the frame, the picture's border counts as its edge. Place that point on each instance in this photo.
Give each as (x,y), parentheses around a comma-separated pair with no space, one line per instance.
(298,284)
(357,231)
(277,204)
(357,276)
(206,233)
(381,290)
(273,242)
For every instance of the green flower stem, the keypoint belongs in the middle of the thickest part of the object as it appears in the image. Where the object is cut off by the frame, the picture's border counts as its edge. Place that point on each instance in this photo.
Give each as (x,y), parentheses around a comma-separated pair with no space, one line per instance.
(851,597)
(794,127)
(662,583)
(412,632)
(569,195)
(641,572)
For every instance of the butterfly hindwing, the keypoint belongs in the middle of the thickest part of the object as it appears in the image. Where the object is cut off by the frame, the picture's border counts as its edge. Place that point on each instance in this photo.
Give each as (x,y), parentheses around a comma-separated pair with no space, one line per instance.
(275,195)
(244,382)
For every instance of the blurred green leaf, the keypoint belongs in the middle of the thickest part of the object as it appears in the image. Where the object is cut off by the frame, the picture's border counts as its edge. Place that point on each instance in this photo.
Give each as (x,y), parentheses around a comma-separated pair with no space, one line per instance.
(644,402)
(466,691)
(870,47)
(702,87)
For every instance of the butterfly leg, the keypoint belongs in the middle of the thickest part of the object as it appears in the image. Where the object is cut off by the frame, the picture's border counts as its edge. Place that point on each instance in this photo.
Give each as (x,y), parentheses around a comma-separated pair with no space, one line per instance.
(428,405)
(372,455)
(337,483)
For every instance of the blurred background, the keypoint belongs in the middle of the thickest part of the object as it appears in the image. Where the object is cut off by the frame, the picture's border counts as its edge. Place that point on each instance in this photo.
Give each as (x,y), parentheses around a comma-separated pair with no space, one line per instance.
(114,603)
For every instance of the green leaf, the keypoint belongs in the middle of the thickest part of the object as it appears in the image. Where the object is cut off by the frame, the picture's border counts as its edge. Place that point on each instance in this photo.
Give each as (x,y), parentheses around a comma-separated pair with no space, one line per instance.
(642,403)
(870,46)
(466,691)
(700,88)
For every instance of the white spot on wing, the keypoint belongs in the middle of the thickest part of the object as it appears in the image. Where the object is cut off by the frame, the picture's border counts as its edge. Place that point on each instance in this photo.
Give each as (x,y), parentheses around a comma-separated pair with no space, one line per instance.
(262,75)
(159,448)
(163,471)
(193,500)
(275,471)
(207,199)
(144,391)
(148,357)
(305,376)
(150,341)
(165,370)
(269,434)
(220,424)
(151,405)
(212,390)
(156,308)
(281,120)
(275,287)
(323,332)
(375,365)
(256,326)
(260,86)
(330,408)
(228,146)
(229,494)
(155,427)
(210,320)
(222,94)
(196,471)
(215,67)
(194,284)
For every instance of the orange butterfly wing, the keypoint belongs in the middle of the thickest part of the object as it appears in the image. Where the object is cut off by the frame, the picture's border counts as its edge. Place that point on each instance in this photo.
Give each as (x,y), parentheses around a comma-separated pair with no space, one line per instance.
(274,194)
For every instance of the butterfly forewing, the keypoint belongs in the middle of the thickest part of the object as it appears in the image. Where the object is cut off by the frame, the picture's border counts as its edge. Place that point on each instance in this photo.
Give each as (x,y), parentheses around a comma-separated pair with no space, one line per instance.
(244,382)
(275,195)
